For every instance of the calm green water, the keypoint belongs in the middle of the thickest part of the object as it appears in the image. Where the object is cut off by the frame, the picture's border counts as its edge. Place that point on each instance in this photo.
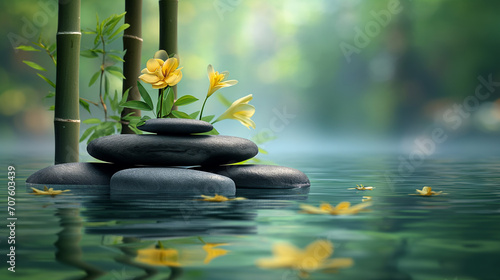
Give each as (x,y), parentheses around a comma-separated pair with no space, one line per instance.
(454,236)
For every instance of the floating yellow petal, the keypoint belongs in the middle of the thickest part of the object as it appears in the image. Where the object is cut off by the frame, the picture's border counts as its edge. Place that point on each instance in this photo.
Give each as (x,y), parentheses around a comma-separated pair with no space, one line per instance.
(160,73)
(241,111)
(366,198)
(362,188)
(427,191)
(158,257)
(47,191)
(219,198)
(218,81)
(314,257)
(213,252)
(343,208)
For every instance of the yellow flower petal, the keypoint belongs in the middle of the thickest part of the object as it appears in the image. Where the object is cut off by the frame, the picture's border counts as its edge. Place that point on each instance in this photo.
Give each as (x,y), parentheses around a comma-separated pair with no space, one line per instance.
(149,78)
(316,253)
(152,65)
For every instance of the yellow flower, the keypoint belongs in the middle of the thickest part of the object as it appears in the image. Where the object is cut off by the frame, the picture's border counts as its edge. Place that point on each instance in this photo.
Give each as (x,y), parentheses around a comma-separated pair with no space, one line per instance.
(217,81)
(361,188)
(47,191)
(427,191)
(314,257)
(366,198)
(343,208)
(219,198)
(161,73)
(158,256)
(241,111)
(213,252)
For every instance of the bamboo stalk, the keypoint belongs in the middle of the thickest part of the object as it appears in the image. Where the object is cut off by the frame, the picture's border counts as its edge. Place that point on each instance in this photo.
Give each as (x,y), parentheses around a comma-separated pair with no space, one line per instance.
(168,29)
(132,43)
(66,115)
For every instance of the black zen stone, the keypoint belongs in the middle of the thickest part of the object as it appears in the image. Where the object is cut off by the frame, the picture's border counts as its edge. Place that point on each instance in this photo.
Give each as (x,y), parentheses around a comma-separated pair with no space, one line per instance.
(262,176)
(175,126)
(92,177)
(170,181)
(167,150)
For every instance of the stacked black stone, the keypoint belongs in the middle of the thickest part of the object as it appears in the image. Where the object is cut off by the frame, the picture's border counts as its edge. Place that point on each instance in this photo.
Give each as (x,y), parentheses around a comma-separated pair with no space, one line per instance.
(152,164)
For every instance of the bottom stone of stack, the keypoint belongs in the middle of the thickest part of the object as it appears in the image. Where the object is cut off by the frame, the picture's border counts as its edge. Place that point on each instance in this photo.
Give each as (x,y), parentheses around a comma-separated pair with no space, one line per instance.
(166,181)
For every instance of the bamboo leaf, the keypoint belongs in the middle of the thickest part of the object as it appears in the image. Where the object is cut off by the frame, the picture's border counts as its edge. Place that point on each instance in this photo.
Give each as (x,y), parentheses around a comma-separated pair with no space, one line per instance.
(120,29)
(180,115)
(115,57)
(194,115)
(27,48)
(185,100)
(145,95)
(85,105)
(34,65)
(116,118)
(88,53)
(92,121)
(94,78)
(262,151)
(140,105)
(116,74)
(87,133)
(124,98)
(135,129)
(143,120)
(211,132)
(52,108)
(47,80)
(51,94)
(208,118)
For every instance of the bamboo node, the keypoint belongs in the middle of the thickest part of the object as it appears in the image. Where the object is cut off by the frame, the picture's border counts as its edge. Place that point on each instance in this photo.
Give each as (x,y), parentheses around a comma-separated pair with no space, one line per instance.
(69,33)
(66,120)
(132,37)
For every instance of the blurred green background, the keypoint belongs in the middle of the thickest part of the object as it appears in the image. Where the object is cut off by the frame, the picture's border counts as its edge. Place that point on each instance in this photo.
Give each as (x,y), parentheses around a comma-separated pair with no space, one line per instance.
(323,73)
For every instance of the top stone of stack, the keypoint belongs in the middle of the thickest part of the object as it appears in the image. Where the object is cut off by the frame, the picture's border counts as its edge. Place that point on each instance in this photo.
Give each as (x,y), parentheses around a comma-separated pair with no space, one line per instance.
(175,126)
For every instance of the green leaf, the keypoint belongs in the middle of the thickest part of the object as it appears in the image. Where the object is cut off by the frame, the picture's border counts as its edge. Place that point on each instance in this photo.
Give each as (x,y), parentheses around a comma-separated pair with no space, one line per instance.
(143,120)
(116,74)
(85,105)
(89,53)
(180,115)
(92,121)
(114,101)
(135,129)
(144,94)
(185,100)
(52,108)
(116,118)
(87,133)
(208,118)
(262,151)
(34,65)
(27,48)
(211,132)
(120,29)
(168,102)
(133,104)
(51,94)
(106,87)
(115,57)
(124,98)
(194,115)
(47,80)
(224,100)
(94,78)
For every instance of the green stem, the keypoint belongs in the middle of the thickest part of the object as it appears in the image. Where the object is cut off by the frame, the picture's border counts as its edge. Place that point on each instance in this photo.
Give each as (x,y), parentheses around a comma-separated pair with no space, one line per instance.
(66,114)
(160,110)
(101,80)
(203,107)
(132,43)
